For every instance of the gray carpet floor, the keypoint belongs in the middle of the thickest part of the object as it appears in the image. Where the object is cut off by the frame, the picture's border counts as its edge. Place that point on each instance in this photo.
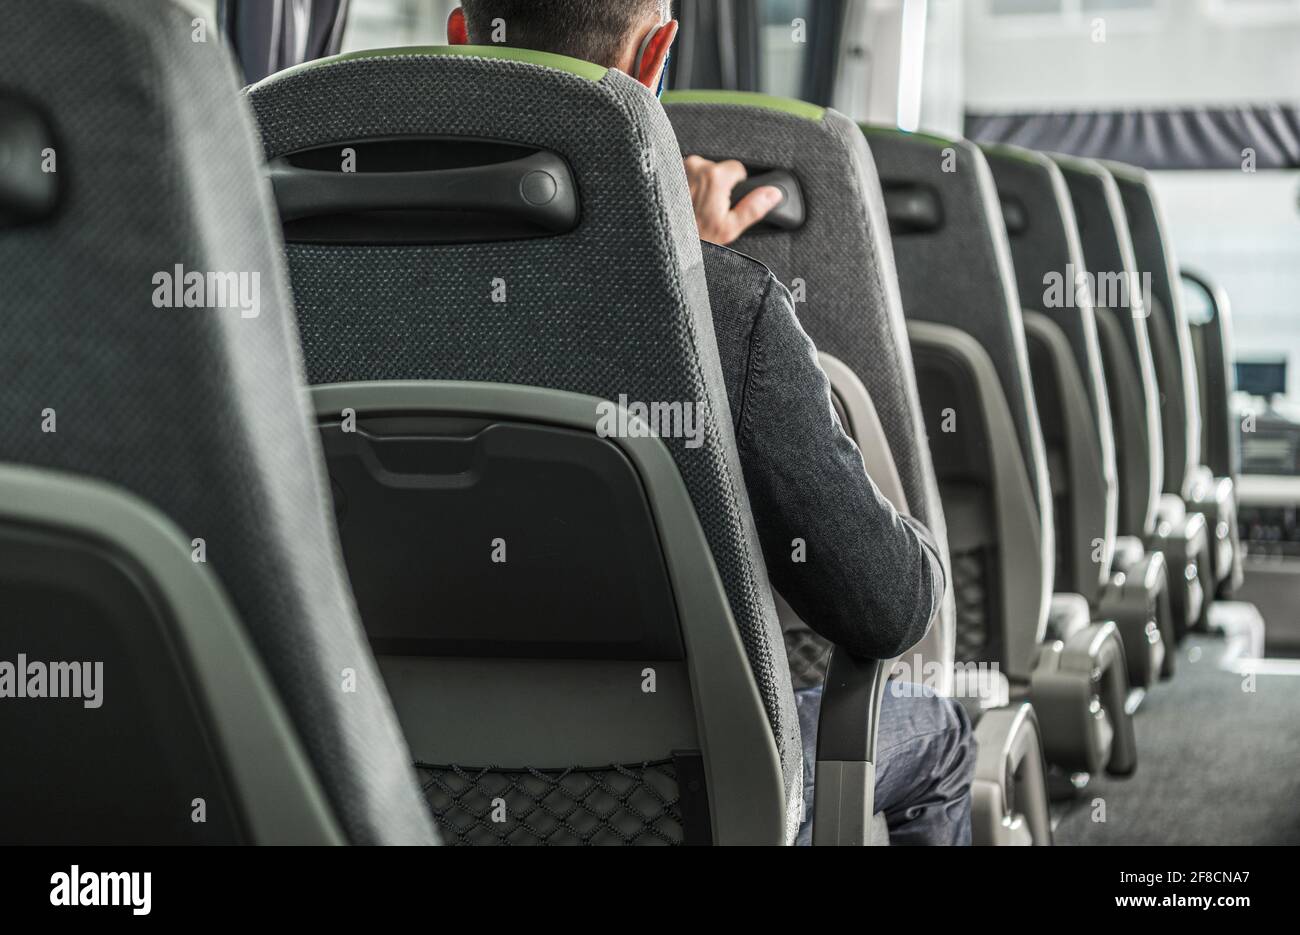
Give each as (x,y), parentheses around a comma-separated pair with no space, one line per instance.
(1216,764)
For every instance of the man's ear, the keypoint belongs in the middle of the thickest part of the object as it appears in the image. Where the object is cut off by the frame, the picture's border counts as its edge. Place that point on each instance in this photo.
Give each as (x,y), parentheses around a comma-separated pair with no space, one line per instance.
(457,31)
(650,62)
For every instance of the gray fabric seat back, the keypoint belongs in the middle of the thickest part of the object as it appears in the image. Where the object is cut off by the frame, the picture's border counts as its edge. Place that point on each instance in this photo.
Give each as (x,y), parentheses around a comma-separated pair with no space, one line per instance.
(959,290)
(840,265)
(1048,259)
(1212,343)
(196,411)
(1125,343)
(1171,340)
(615,307)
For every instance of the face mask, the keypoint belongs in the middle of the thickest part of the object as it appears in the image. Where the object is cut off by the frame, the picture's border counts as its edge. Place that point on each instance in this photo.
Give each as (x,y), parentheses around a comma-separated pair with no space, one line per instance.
(640,56)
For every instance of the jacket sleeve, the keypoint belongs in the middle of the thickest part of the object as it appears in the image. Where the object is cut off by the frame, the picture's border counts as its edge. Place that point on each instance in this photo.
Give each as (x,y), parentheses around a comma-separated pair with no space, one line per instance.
(854,569)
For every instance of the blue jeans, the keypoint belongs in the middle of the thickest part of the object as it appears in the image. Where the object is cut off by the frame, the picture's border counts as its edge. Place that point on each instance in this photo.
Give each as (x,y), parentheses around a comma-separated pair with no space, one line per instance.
(925,761)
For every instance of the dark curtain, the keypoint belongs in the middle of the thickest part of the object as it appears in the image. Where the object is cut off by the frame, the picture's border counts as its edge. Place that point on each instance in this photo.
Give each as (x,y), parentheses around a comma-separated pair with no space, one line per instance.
(821,64)
(717,46)
(268,35)
(1190,138)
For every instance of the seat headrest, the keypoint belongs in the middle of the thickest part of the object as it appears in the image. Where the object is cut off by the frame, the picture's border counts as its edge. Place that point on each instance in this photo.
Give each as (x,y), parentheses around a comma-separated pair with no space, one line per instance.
(839,263)
(1048,255)
(1108,252)
(158,200)
(1175,363)
(954,261)
(1103,229)
(198,410)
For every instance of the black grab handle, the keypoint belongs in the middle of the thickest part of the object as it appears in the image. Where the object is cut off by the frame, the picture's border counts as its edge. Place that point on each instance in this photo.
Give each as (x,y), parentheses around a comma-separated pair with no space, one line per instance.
(27,191)
(911,209)
(789,213)
(537,188)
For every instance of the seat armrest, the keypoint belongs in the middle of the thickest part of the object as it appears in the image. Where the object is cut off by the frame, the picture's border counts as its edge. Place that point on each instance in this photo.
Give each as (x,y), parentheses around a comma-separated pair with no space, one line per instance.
(1009,793)
(1170,509)
(1216,499)
(1148,572)
(1186,545)
(1079,691)
(1138,600)
(846,749)
(1129,551)
(1067,615)
(1202,477)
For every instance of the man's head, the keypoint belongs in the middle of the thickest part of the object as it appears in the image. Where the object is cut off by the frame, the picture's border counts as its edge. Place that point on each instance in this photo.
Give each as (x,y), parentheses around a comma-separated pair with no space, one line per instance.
(631,35)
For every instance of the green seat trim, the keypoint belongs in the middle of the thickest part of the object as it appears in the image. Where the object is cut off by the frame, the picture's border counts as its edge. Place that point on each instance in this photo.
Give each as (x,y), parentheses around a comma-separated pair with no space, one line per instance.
(880,129)
(785,105)
(1018,153)
(573,66)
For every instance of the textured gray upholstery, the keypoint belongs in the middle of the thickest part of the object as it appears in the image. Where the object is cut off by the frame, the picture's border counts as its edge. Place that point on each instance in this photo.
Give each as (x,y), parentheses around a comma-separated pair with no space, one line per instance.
(1050,243)
(1125,344)
(842,261)
(1171,340)
(1045,243)
(960,273)
(1174,354)
(1212,346)
(1219,444)
(617,306)
(198,411)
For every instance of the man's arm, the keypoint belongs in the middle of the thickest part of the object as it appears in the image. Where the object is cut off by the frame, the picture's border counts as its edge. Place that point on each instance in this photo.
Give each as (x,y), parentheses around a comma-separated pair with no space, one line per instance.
(864,577)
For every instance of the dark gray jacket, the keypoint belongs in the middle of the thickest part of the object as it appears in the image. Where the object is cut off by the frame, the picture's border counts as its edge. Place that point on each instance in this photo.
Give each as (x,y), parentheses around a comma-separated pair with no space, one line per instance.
(871,580)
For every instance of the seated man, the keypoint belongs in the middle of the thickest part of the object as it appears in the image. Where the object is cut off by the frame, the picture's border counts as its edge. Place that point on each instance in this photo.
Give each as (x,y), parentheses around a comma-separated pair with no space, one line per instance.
(873,579)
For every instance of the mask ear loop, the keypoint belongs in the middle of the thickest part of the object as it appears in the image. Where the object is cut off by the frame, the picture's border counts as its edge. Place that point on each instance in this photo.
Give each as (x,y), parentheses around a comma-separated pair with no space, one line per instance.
(640,58)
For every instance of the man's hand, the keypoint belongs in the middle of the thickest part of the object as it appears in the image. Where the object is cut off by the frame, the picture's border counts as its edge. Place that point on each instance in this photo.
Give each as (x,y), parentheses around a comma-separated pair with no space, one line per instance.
(711,186)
